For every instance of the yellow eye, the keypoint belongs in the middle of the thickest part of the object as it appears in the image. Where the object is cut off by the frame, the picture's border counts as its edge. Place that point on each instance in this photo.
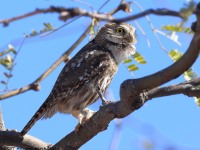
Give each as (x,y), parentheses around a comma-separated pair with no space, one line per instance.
(119,30)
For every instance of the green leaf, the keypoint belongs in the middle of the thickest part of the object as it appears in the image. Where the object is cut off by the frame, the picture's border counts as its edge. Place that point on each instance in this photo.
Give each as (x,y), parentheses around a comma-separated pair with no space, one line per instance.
(7,62)
(175,54)
(33,33)
(11,49)
(188,9)
(177,28)
(189,74)
(197,101)
(139,58)
(132,67)
(128,60)
(48,26)
(188,30)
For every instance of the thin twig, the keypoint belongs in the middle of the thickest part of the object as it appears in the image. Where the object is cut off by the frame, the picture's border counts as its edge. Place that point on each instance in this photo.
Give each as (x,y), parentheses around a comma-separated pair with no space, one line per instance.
(104,4)
(35,85)
(72,12)
(143,33)
(62,26)
(64,57)
(84,3)
(187,88)
(160,12)
(11,69)
(152,28)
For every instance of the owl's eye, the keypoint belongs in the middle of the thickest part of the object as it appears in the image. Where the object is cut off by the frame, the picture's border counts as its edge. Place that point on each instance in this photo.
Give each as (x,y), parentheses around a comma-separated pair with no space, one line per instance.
(120,30)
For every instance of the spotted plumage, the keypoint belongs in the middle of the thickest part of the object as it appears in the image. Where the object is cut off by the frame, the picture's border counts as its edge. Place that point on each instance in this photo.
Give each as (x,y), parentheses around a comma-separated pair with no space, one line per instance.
(88,74)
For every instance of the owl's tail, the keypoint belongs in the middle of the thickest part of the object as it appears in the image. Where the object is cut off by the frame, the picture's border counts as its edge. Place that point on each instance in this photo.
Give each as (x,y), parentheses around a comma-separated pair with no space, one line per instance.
(40,112)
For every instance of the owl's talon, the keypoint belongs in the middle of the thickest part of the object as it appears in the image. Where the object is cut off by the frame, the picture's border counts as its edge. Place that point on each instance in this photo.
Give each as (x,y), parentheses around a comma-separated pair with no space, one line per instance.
(83,116)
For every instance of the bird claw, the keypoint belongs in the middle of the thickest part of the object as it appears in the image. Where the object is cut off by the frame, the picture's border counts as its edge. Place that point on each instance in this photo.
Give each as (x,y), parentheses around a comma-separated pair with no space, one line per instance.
(83,117)
(104,101)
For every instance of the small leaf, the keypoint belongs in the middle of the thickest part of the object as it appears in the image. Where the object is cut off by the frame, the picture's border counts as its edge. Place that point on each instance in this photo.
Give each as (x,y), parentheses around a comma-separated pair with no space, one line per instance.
(10,46)
(188,30)
(9,59)
(48,26)
(177,28)
(197,101)
(189,74)
(128,60)
(6,62)
(4,82)
(7,75)
(33,33)
(132,67)
(139,58)
(11,49)
(175,54)
(188,9)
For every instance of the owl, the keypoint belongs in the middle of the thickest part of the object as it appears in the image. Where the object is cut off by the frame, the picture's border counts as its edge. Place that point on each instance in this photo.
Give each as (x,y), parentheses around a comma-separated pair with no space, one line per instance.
(88,74)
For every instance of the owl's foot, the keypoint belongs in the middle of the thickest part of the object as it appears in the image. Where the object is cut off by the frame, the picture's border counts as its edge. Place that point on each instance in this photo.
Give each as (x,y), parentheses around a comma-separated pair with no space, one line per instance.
(82,116)
(104,101)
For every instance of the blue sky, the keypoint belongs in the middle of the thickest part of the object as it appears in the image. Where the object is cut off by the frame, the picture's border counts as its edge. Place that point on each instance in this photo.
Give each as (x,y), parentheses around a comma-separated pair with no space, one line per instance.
(166,122)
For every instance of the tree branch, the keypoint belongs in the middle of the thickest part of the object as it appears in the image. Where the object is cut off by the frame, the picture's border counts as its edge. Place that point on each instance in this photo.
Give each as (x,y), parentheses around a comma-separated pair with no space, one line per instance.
(35,84)
(2,126)
(64,57)
(13,138)
(132,97)
(160,12)
(66,13)
(132,92)
(187,88)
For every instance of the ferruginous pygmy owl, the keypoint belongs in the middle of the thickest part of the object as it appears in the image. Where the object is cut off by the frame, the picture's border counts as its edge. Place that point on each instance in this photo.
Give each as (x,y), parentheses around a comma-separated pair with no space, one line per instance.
(88,74)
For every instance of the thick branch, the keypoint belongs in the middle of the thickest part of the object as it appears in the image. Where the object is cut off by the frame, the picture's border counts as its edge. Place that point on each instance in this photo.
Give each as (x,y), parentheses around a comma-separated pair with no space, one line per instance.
(168,73)
(8,139)
(132,97)
(2,128)
(186,88)
(13,138)
(160,12)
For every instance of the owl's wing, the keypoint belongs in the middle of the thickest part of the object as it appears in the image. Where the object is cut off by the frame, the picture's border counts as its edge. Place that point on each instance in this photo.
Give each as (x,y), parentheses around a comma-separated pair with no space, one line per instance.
(86,65)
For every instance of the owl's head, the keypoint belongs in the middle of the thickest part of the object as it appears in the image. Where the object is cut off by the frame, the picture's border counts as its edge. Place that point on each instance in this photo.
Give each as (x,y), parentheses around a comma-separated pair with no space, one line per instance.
(118,38)
(122,33)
